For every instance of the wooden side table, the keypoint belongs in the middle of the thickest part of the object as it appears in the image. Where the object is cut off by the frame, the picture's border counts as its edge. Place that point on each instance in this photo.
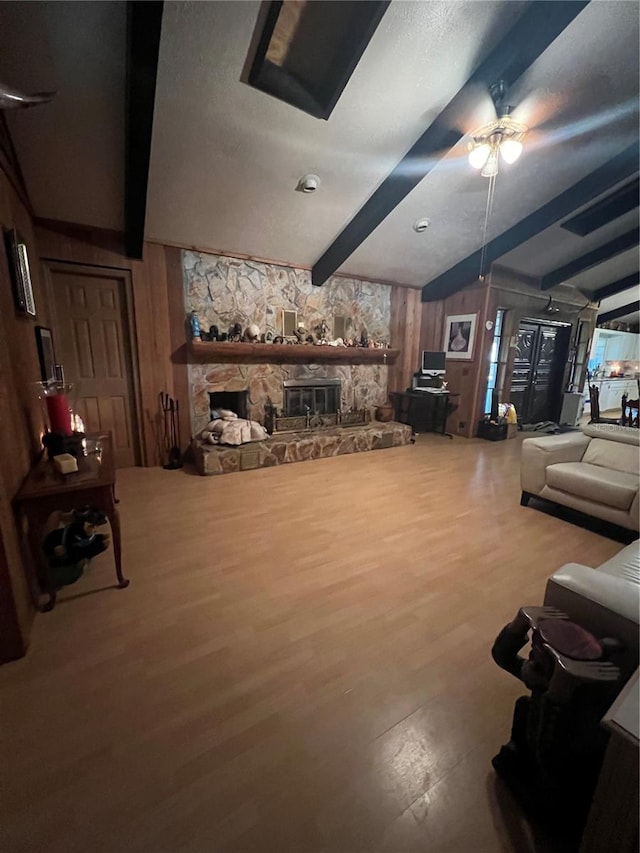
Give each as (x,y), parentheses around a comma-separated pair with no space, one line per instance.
(45,490)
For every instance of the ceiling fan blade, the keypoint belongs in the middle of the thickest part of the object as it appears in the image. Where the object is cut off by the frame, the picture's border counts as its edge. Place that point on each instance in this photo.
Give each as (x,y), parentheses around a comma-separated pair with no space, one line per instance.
(539,107)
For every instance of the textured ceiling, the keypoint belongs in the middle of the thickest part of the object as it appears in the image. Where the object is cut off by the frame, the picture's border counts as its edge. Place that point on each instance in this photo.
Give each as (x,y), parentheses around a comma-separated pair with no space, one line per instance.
(71,150)
(589,71)
(226,157)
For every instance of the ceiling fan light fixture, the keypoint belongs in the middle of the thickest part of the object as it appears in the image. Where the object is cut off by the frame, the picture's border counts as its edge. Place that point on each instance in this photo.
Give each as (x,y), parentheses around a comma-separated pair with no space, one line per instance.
(479,154)
(490,169)
(504,134)
(510,149)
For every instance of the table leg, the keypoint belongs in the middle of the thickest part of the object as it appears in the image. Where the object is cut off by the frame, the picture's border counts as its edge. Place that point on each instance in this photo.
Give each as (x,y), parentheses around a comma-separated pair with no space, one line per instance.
(41,582)
(114,521)
(445,406)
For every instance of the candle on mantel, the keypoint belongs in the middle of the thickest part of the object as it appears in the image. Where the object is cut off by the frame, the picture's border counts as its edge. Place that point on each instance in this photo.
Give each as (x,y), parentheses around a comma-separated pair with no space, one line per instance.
(59,413)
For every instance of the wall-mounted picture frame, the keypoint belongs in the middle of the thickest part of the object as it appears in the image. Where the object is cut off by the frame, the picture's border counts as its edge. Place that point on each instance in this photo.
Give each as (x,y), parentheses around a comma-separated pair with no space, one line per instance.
(46,353)
(459,335)
(18,260)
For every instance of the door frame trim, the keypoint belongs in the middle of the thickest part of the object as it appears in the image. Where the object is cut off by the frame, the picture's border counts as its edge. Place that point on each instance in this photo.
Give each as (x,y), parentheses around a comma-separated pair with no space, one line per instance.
(98,270)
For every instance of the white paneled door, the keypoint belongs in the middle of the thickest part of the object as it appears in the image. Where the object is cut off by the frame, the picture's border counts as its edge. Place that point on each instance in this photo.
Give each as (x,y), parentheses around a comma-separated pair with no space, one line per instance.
(93,344)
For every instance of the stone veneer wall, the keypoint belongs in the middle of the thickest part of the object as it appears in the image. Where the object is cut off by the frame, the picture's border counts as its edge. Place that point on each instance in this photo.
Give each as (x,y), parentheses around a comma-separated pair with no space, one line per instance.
(225,290)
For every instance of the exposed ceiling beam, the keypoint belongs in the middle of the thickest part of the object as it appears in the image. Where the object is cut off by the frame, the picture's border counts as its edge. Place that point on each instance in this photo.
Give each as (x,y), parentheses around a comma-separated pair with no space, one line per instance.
(599,181)
(144,22)
(618,286)
(606,210)
(585,262)
(530,36)
(622,311)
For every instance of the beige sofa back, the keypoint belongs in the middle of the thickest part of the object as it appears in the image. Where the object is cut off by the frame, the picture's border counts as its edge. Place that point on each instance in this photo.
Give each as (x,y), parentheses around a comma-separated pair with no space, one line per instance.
(613,432)
(615,455)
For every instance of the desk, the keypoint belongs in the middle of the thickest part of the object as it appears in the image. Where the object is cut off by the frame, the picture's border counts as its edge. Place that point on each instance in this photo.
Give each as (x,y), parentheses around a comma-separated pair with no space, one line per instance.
(424,412)
(45,490)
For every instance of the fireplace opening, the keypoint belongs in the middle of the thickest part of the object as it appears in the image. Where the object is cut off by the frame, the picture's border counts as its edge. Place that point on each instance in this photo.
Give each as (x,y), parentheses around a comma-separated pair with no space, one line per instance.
(311,396)
(236,401)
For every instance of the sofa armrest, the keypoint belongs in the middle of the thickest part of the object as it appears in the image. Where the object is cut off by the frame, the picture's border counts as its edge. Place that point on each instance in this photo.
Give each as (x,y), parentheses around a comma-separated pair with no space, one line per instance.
(607,606)
(540,452)
(616,594)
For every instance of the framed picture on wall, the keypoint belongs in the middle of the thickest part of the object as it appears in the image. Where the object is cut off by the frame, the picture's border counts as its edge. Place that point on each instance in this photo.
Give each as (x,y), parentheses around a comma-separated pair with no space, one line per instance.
(46,353)
(459,335)
(20,273)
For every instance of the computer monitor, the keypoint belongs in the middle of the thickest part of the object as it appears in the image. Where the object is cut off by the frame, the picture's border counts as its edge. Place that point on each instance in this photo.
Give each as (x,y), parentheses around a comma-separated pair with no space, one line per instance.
(434,363)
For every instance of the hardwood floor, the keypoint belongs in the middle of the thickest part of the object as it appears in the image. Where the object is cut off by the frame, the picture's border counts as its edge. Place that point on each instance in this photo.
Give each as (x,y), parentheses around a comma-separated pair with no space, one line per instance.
(301,663)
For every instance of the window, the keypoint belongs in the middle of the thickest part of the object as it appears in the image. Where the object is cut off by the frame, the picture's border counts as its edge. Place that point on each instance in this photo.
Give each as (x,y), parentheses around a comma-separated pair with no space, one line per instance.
(493,360)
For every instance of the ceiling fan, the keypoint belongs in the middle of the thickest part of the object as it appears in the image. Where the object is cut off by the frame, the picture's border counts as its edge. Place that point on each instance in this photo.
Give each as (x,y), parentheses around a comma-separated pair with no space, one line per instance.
(11,98)
(500,138)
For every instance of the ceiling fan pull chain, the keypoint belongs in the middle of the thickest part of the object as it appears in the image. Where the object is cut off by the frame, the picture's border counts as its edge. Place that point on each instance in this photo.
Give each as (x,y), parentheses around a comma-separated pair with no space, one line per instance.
(487,214)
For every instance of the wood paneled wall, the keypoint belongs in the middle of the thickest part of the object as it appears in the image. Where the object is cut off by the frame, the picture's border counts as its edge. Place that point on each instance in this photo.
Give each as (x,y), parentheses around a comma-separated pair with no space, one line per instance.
(154,280)
(406,317)
(521,298)
(464,377)
(19,422)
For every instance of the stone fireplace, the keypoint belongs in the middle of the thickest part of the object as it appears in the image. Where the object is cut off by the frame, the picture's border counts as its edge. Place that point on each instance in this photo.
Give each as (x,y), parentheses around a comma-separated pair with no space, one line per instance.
(225,290)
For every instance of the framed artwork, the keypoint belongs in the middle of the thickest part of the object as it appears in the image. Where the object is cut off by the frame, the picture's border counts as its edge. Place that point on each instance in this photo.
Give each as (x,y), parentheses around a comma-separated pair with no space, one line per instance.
(459,335)
(46,353)
(20,273)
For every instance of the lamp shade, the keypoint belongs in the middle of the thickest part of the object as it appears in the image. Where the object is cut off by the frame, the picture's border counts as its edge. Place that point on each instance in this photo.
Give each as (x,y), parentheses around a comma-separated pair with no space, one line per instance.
(510,150)
(479,155)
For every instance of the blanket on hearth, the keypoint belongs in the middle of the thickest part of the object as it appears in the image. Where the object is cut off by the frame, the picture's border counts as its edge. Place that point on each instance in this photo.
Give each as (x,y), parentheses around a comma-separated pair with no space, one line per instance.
(230,429)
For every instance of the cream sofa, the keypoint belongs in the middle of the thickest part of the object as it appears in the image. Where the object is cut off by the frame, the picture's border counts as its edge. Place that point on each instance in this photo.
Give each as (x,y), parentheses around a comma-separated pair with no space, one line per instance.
(596,471)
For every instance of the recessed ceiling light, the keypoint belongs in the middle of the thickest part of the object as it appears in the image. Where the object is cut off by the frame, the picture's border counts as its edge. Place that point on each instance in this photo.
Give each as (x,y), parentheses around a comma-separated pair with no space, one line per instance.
(421,225)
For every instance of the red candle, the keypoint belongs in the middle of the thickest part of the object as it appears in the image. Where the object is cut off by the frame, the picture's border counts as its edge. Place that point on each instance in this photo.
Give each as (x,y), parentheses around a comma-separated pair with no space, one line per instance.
(59,414)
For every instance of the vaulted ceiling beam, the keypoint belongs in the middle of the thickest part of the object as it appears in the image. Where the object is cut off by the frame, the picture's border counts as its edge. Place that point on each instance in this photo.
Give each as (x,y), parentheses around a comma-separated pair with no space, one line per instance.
(144,22)
(466,271)
(592,259)
(529,37)
(622,311)
(618,286)
(608,209)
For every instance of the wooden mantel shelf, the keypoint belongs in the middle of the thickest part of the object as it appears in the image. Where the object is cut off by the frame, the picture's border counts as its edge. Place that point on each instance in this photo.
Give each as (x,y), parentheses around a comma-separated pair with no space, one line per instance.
(205,352)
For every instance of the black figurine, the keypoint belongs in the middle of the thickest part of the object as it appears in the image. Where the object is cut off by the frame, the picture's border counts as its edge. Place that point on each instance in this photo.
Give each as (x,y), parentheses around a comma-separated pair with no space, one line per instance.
(214,333)
(70,548)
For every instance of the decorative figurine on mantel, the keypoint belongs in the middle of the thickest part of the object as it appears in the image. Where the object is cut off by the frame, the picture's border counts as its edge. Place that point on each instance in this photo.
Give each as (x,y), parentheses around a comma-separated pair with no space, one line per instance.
(323,330)
(194,323)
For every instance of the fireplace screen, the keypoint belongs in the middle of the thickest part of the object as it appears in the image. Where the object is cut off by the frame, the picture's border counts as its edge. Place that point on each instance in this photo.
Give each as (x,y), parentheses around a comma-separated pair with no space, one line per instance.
(311,396)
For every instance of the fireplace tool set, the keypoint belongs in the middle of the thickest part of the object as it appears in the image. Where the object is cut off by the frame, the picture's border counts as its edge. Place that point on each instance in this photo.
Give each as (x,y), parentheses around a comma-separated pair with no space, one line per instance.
(171,432)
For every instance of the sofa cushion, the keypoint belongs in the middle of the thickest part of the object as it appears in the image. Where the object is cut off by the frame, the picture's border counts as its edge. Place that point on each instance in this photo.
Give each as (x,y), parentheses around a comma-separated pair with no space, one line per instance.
(594,483)
(613,454)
